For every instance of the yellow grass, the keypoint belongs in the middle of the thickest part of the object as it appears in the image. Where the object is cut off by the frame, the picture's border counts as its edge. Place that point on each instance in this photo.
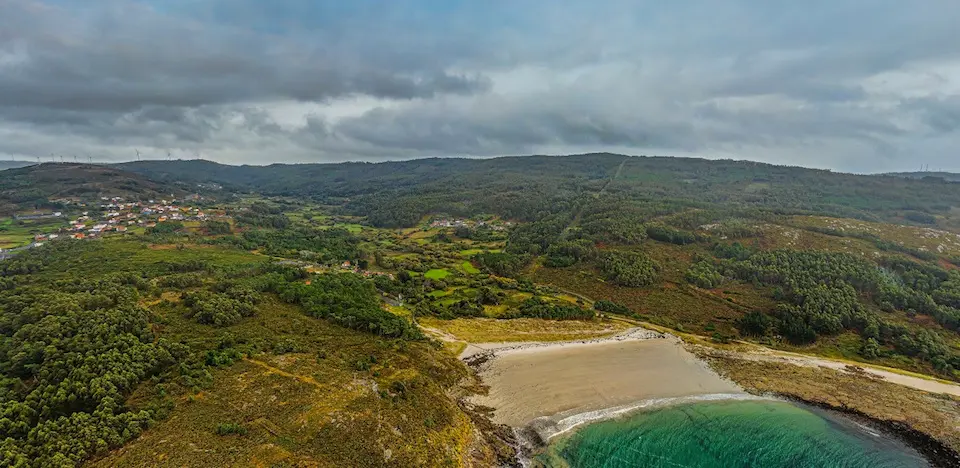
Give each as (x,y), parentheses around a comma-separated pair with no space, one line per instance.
(483,330)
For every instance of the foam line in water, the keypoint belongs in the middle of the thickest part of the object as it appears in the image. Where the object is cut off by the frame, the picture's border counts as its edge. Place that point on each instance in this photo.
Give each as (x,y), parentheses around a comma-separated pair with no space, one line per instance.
(547,428)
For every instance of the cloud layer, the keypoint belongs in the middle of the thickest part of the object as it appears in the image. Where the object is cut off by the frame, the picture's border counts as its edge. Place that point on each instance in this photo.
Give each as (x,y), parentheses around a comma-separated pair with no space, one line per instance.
(830,84)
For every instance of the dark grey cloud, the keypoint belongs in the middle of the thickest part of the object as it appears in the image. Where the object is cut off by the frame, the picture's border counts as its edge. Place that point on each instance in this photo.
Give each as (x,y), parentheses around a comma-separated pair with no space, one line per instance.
(129,57)
(940,114)
(834,84)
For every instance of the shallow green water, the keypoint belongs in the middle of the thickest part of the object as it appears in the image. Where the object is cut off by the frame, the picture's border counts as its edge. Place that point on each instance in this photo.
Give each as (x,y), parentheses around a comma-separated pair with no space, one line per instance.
(729,434)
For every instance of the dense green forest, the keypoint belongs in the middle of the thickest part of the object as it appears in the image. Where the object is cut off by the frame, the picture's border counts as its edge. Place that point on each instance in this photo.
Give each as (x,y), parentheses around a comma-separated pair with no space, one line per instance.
(397,194)
(76,339)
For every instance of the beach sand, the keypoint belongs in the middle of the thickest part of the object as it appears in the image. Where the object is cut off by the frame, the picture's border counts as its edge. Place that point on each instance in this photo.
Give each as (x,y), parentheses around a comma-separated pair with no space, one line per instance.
(562,380)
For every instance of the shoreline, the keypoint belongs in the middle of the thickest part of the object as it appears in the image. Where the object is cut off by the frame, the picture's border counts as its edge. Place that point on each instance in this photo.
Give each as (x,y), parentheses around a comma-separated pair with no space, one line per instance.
(934,451)
(535,380)
(923,420)
(536,437)
(549,427)
(537,407)
(540,390)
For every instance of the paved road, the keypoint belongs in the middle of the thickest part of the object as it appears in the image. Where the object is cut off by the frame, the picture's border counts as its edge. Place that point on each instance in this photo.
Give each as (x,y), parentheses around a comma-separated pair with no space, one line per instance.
(8,253)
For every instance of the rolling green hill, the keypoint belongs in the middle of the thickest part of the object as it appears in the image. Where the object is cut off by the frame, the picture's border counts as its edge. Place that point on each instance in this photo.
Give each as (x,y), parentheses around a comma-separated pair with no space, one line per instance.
(270,333)
(35,187)
(400,193)
(948,176)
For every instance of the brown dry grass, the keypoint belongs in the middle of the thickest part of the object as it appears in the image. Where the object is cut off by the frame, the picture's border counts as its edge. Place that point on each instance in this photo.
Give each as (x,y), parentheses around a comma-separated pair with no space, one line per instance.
(481,330)
(334,402)
(934,414)
(930,239)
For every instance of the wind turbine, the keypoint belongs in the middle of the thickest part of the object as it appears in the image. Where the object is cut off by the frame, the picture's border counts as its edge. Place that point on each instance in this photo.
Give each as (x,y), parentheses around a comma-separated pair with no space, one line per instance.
(168,155)
(138,154)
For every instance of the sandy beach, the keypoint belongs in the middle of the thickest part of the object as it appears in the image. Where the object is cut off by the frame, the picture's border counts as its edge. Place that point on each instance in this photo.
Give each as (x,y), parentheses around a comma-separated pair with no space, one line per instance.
(557,385)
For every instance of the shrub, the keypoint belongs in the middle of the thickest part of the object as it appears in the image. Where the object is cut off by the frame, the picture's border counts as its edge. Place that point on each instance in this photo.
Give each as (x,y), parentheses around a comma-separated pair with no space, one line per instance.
(230,428)
(612,307)
(629,268)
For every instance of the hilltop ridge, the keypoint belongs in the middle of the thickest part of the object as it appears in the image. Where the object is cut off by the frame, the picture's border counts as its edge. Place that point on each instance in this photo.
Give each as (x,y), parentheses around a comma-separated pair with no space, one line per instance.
(39,185)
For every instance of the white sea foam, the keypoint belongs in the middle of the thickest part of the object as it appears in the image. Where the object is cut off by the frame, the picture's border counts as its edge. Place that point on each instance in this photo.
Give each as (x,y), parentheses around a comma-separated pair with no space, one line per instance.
(549,427)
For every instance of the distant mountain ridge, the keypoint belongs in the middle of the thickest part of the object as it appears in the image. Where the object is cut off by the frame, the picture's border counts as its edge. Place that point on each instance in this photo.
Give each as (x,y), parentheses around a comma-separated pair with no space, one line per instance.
(521,186)
(518,186)
(948,176)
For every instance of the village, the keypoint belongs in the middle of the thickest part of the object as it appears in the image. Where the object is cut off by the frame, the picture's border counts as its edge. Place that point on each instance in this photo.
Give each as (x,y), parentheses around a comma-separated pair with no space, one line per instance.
(469,223)
(114,215)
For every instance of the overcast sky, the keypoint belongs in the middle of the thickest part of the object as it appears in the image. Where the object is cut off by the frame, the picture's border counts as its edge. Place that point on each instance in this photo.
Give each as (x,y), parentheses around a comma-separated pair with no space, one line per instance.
(848,85)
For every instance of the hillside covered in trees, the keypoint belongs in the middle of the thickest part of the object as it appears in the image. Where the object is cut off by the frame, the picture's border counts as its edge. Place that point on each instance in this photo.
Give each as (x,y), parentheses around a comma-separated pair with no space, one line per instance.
(611,212)
(398,194)
(326,284)
(43,186)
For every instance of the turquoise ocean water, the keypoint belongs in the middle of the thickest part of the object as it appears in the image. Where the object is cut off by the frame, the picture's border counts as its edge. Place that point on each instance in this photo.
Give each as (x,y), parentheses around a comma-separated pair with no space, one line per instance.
(729,434)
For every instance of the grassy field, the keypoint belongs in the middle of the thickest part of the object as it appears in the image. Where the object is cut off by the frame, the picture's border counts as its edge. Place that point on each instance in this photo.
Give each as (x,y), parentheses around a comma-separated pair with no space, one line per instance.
(350,227)
(440,293)
(437,274)
(471,252)
(493,330)
(130,254)
(15,233)
(468,268)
